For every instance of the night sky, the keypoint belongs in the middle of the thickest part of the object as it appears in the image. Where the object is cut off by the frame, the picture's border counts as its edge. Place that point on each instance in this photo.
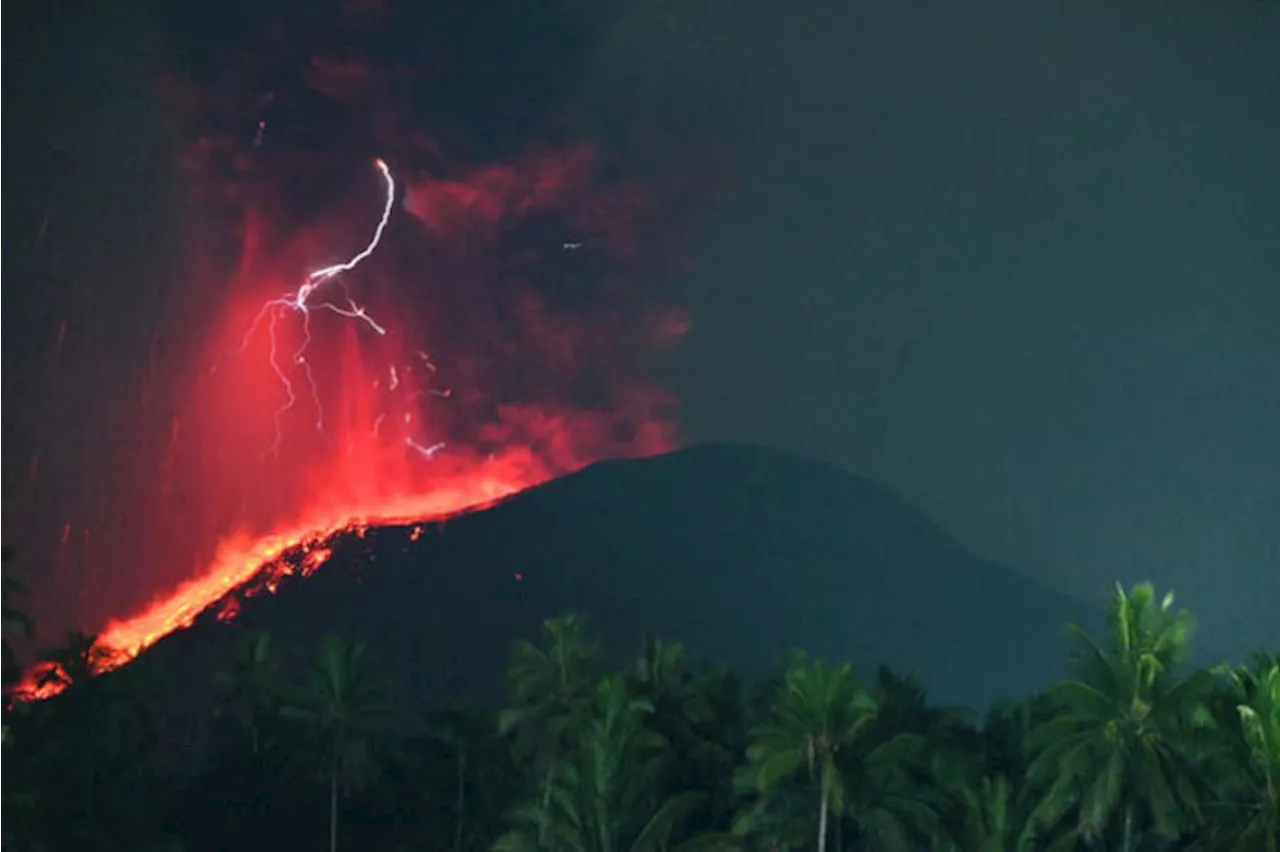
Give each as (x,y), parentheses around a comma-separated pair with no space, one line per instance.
(1019,261)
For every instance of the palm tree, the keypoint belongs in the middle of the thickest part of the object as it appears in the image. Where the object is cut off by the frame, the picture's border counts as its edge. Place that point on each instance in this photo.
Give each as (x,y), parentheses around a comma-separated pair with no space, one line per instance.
(606,794)
(469,738)
(248,686)
(1116,752)
(818,711)
(1007,732)
(463,781)
(16,621)
(13,798)
(346,706)
(17,802)
(550,687)
(700,715)
(547,682)
(993,817)
(990,824)
(88,764)
(893,792)
(1250,772)
(988,807)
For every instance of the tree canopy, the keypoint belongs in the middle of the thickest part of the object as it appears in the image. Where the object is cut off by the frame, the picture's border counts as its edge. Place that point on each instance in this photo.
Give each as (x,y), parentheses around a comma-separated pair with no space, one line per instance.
(1133,751)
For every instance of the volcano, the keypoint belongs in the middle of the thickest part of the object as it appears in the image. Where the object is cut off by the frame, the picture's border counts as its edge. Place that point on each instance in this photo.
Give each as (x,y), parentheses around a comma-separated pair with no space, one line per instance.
(741,553)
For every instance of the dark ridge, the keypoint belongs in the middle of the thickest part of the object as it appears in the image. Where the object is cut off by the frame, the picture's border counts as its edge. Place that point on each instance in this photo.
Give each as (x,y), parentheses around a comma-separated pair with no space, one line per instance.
(739,552)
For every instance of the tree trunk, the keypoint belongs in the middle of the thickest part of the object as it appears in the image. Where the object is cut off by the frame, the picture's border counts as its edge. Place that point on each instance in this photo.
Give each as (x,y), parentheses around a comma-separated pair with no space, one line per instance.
(1127,841)
(333,810)
(1273,830)
(822,809)
(462,800)
(546,804)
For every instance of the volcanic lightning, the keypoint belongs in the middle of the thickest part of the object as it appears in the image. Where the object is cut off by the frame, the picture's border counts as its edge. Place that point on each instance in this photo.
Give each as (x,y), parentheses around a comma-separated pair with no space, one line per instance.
(381,461)
(300,301)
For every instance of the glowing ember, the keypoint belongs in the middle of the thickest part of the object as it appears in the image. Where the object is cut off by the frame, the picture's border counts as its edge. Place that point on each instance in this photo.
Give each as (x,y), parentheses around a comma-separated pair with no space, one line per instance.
(43,680)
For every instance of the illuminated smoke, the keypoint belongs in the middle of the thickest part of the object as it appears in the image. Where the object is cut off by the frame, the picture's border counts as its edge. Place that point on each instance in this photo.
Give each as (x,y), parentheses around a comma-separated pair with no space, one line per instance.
(299,301)
(517,307)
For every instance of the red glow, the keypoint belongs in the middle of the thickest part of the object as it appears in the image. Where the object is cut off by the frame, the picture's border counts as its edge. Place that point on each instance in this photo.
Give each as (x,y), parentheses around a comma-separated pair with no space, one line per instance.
(243,558)
(449,408)
(41,681)
(517,284)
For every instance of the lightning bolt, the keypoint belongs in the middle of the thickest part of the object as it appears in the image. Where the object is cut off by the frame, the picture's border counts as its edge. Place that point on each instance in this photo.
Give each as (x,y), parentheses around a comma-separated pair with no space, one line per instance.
(304,300)
(424,451)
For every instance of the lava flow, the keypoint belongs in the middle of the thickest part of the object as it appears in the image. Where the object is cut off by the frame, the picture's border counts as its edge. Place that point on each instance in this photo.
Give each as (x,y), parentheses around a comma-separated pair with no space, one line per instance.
(379,438)
(242,559)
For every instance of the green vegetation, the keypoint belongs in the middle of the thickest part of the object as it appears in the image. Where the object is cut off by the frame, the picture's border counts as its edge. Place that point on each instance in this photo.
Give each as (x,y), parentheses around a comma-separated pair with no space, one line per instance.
(1132,752)
(16,621)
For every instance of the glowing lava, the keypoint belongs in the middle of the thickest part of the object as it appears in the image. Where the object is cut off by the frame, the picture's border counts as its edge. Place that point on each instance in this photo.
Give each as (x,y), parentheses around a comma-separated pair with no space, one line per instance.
(253,565)
(527,381)
(241,559)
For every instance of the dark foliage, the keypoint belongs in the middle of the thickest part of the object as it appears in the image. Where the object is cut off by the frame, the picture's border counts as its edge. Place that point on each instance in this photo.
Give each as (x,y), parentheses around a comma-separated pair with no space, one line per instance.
(1133,752)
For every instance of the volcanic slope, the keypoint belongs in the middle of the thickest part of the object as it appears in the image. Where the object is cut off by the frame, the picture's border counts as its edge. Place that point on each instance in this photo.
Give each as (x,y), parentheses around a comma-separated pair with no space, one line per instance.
(740,553)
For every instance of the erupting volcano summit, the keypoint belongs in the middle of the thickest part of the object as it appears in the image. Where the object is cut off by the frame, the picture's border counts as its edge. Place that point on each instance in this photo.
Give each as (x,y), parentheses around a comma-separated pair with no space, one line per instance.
(347,346)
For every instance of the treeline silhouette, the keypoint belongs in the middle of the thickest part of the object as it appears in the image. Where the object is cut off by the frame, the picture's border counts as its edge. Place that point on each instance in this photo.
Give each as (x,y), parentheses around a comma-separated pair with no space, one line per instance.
(1133,752)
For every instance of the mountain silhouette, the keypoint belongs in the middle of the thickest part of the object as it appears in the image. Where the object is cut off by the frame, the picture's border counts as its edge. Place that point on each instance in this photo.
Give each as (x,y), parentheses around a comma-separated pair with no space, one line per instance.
(741,553)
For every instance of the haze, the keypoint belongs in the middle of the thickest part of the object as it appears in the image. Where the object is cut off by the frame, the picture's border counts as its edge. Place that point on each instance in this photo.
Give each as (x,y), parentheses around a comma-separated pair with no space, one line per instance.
(1019,261)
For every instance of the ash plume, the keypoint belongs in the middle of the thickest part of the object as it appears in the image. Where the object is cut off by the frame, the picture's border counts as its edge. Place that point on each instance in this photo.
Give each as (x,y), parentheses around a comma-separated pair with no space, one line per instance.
(520,282)
(530,265)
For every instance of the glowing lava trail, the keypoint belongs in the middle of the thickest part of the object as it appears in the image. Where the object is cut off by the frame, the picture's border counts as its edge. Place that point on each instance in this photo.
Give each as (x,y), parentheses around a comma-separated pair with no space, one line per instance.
(301,302)
(247,565)
(252,564)
(381,459)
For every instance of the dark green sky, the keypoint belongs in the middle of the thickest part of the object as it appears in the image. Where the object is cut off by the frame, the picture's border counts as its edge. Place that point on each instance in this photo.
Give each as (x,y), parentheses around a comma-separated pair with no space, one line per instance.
(1020,261)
